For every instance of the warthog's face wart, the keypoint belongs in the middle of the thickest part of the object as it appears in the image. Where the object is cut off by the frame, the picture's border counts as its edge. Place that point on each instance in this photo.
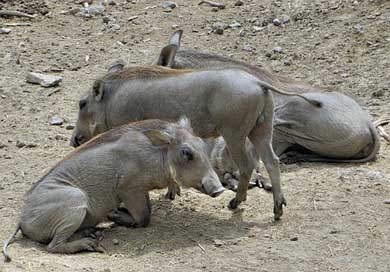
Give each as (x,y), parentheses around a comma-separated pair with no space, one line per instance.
(91,118)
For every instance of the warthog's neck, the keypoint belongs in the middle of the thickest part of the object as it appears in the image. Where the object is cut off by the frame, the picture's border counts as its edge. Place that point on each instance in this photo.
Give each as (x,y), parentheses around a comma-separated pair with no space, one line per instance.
(164,175)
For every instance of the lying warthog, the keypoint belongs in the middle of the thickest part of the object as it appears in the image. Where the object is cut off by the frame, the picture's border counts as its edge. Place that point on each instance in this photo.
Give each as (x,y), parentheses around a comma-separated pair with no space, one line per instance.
(230,103)
(340,131)
(116,167)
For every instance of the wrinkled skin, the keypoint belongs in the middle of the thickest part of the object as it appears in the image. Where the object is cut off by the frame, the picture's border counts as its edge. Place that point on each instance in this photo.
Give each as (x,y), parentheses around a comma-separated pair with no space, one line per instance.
(339,131)
(202,96)
(118,167)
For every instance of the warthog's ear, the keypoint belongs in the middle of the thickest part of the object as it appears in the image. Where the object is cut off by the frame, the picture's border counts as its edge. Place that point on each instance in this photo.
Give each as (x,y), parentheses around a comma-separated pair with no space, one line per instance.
(176,38)
(185,123)
(167,56)
(98,90)
(158,137)
(116,66)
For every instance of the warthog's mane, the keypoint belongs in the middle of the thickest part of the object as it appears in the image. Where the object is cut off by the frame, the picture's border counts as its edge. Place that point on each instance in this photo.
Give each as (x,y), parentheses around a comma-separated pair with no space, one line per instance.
(108,137)
(143,72)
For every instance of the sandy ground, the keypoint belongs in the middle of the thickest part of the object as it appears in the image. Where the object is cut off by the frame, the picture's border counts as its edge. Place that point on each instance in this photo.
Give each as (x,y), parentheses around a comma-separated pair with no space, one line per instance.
(336,219)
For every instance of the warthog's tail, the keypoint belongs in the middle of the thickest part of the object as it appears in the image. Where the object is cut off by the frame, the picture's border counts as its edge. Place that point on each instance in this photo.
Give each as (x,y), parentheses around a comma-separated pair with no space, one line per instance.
(7,258)
(266,85)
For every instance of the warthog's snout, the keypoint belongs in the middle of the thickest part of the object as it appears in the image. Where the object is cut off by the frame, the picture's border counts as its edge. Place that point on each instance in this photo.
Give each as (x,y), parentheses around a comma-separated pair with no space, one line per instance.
(212,186)
(76,140)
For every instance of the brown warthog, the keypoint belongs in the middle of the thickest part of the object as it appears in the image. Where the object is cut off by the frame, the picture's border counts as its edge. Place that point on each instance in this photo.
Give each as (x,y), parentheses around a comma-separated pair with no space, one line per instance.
(117,167)
(340,131)
(230,103)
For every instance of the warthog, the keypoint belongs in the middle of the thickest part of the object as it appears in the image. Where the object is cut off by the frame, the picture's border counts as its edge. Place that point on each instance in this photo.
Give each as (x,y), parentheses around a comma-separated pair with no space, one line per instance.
(340,131)
(230,103)
(117,167)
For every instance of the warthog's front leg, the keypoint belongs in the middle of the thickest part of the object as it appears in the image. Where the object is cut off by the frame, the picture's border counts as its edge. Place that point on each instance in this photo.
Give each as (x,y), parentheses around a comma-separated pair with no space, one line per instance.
(136,213)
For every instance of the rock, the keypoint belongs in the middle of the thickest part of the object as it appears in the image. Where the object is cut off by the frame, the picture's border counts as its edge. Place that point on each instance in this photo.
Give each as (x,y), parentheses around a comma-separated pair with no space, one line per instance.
(235,24)
(5,30)
(169,5)
(132,18)
(358,29)
(56,121)
(238,3)
(92,10)
(287,62)
(285,19)
(43,79)
(218,28)
(295,238)
(276,22)
(278,49)
(20,144)
(69,127)
(333,231)
(31,145)
(248,48)
(386,201)
(218,243)
(115,241)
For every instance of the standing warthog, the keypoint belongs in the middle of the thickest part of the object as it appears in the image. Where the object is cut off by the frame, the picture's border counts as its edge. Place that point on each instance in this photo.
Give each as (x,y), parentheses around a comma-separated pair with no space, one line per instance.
(340,131)
(230,103)
(117,167)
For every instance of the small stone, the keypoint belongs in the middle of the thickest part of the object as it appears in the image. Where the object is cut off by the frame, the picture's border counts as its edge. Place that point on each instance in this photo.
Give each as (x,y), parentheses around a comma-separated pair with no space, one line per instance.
(235,24)
(218,243)
(333,231)
(238,3)
(386,201)
(268,54)
(295,238)
(285,19)
(2,145)
(43,79)
(248,48)
(111,3)
(278,49)
(115,241)
(31,145)
(287,62)
(5,30)
(378,93)
(169,5)
(132,18)
(69,127)
(358,29)
(276,22)
(214,9)
(20,144)
(218,28)
(56,121)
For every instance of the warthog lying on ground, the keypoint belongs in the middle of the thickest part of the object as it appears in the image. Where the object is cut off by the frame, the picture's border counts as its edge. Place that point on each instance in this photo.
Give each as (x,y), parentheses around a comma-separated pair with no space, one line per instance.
(117,167)
(340,131)
(230,103)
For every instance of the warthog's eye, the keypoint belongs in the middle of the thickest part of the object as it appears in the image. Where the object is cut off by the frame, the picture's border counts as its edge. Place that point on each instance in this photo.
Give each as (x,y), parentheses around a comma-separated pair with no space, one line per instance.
(82,104)
(187,153)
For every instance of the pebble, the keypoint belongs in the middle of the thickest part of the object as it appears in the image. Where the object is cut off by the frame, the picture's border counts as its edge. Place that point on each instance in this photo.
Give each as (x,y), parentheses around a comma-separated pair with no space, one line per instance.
(359,29)
(386,201)
(235,24)
(285,19)
(44,80)
(278,49)
(295,238)
(69,127)
(20,144)
(218,28)
(238,3)
(248,48)
(287,62)
(56,121)
(333,231)
(169,5)
(132,18)
(115,241)
(276,22)
(218,243)
(5,30)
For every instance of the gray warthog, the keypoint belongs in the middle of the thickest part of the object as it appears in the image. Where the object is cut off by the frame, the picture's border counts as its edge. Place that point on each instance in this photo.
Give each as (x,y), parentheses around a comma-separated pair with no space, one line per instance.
(117,167)
(340,131)
(230,103)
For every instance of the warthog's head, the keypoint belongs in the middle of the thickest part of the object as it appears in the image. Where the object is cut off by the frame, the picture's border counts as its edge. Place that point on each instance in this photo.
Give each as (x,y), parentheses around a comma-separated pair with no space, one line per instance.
(187,158)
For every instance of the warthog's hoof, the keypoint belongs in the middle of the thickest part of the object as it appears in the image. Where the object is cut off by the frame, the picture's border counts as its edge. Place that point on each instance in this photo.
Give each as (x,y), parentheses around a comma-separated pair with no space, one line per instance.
(173,190)
(278,207)
(233,204)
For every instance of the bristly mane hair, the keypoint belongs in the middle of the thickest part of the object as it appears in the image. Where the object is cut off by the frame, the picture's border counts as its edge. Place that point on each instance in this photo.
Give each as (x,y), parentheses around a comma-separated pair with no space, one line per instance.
(138,72)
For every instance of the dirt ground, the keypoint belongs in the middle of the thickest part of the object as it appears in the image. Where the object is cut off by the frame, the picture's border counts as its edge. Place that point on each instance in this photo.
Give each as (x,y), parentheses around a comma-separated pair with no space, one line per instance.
(336,218)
